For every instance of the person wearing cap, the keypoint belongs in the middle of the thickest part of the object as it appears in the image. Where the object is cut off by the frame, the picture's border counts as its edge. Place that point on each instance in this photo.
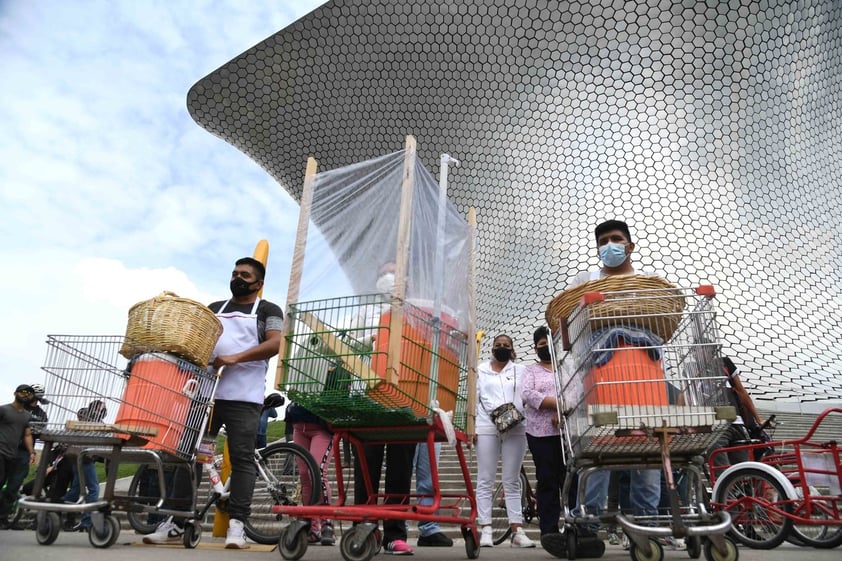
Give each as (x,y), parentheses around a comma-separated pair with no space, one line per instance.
(615,248)
(14,428)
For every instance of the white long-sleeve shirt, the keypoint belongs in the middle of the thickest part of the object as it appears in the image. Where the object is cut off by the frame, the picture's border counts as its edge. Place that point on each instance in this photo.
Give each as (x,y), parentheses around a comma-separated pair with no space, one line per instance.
(493,390)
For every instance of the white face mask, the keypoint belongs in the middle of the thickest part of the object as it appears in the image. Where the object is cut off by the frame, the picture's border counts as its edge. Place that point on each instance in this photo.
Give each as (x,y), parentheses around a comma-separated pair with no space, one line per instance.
(386,283)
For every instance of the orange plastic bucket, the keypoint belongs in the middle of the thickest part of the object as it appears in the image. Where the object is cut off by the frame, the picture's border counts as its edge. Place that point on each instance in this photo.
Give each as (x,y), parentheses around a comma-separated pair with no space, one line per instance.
(157,396)
(417,358)
(630,377)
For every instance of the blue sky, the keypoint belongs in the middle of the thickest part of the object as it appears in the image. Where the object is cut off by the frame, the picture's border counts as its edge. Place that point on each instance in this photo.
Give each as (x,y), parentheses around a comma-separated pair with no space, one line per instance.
(109,192)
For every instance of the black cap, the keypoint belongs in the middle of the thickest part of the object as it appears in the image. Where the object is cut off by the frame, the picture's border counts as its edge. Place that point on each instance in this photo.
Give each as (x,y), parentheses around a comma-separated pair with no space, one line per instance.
(610,225)
(25,388)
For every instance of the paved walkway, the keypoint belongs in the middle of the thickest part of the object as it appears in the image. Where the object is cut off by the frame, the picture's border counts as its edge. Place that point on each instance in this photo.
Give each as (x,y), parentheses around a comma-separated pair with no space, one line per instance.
(17,545)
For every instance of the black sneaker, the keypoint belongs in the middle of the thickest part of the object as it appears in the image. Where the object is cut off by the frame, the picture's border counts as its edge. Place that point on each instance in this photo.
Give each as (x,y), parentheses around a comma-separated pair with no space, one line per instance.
(328,537)
(435,540)
(555,544)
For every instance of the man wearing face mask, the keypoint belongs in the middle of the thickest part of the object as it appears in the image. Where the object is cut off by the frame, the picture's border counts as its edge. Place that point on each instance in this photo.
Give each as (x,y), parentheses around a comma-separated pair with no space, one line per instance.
(252,329)
(615,247)
(14,429)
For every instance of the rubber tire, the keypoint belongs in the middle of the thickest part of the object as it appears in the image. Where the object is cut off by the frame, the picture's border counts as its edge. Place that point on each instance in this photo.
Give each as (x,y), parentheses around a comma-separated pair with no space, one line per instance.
(694,547)
(711,553)
(755,475)
(48,526)
(110,535)
(364,553)
(829,536)
(657,553)
(139,521)
(299,547)
(500,527)
(469,533)
(192,535)
(280,461)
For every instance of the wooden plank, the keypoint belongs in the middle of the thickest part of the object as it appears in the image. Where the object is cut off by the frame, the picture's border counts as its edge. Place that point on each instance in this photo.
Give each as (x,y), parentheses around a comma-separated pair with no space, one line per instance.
(297,263)
(393,358)
(472,324)
(351,359)
(139,430)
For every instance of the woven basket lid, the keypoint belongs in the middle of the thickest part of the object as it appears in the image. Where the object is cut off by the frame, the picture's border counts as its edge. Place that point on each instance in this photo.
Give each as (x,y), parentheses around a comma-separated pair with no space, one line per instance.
(563,305)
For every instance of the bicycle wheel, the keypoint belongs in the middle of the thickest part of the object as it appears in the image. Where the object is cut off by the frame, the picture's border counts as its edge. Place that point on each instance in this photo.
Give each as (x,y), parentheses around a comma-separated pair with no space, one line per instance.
(755,501)
(278,482)
(820,536)
(143,490)
(527,507)
(500,528)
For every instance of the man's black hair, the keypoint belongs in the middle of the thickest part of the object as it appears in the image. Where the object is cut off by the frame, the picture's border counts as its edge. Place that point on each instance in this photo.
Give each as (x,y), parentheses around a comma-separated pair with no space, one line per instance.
(541,333)
(254,264)
(610,225)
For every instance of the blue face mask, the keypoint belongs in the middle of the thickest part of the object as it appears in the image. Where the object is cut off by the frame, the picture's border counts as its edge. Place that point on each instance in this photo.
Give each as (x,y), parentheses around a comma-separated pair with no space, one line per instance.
(612,254)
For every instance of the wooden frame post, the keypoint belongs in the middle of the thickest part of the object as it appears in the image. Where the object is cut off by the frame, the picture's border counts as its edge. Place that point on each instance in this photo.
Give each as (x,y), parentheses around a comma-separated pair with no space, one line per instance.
(297,263)
(473,350)
(393,358)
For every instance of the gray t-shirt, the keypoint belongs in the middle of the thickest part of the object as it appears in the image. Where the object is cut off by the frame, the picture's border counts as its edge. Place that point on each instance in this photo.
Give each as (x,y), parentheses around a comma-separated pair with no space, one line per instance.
(12,425)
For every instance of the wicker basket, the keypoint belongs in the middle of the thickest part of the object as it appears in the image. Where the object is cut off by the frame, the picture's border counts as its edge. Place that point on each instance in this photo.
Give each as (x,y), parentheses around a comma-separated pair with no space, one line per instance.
(168,323)
(658,311)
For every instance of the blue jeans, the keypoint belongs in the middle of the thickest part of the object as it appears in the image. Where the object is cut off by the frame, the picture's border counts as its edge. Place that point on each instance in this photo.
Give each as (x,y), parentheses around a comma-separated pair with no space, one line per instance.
(644,491)
(91,488)
(424,484)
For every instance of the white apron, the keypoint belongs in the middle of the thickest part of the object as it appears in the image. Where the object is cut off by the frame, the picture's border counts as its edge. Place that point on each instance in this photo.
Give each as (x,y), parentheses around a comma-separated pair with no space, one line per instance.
(245,381)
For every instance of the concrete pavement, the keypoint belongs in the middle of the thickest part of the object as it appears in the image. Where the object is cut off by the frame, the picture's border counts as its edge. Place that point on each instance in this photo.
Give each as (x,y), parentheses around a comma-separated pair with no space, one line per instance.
(21,545)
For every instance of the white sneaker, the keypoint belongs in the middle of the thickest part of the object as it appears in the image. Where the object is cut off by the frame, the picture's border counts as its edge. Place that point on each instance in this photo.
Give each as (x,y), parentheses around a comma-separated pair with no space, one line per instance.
(520,539)
(679,544)
(236,536)
(166,532)
(485,538)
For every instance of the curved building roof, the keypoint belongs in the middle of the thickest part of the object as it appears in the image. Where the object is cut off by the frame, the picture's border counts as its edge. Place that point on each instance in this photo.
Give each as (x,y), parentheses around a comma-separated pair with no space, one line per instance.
(713,128)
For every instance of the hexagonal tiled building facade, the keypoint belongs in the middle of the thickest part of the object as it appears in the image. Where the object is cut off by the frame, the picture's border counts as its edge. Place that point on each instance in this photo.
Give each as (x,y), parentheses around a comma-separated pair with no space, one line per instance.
(713,127)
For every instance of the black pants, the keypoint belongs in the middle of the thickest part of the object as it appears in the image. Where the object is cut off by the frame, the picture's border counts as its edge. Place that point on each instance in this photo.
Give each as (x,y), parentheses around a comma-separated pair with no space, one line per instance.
(240,419)
(398,480)
(550,472)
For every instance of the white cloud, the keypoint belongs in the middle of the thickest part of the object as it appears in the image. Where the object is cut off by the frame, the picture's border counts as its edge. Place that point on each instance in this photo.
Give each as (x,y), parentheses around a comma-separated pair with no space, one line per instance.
(109,192)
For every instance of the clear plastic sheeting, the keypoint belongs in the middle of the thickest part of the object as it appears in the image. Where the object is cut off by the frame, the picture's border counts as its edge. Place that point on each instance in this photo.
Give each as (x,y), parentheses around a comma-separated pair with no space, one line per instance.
(353,231)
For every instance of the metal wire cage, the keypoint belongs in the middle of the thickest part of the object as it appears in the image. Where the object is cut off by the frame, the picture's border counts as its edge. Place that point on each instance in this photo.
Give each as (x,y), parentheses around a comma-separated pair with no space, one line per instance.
(623,382)
(93,390)
(336,362)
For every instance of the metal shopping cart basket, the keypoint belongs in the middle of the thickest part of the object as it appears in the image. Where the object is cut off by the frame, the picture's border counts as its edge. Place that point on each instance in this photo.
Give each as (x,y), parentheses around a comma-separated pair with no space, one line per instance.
(337,366)
(645,390)
(151,408)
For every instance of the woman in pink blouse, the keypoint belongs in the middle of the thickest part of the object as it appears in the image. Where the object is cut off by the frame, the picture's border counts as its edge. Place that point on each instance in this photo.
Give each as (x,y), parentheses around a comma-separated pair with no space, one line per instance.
(538,391)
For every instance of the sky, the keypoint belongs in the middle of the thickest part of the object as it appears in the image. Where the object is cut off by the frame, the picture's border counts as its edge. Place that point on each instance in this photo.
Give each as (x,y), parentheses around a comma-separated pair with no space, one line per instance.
(109,192)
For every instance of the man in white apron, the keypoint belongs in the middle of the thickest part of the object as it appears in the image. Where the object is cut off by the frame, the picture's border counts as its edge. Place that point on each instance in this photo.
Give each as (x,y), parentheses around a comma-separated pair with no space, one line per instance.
(251,335)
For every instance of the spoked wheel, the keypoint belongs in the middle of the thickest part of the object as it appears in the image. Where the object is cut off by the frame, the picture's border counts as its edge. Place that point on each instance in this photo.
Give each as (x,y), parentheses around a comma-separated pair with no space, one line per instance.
(292,546)
(656,552)
(500,528)
(109,534)
(694,547)
(471,541)
(144,490)
(758,507)
(821,536)
(47,527)
(192,534)
(356,548)
(282,469)
(731,552)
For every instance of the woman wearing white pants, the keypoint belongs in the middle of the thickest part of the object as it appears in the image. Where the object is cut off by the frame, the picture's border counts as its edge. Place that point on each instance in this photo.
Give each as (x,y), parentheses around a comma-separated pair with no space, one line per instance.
(497,382)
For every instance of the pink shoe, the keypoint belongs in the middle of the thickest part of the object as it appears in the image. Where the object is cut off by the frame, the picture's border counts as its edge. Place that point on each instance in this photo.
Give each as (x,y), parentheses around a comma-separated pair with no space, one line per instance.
(398,547)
